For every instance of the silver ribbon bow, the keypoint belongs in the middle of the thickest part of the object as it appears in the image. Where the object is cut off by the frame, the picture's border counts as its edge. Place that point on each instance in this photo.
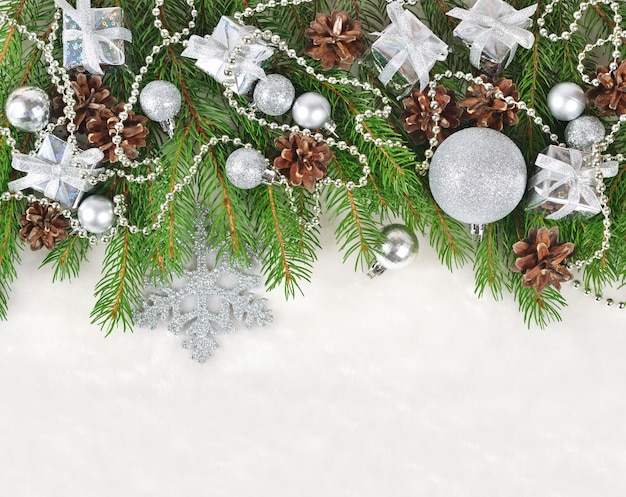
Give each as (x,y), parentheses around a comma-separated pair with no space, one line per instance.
(92,39)
(211,49)
(506,27)
(421,51)
(55,175)
(556,173)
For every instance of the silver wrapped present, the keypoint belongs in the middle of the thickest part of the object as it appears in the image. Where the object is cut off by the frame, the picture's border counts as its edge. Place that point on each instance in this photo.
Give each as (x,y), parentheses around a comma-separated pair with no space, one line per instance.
(212,54)
(565,182)
(406,50)
(493,29)
(93,38)
(54,172)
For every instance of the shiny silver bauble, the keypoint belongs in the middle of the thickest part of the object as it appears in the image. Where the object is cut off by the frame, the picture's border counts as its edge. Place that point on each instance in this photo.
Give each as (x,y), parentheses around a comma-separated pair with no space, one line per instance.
(566,101)
(399,247)
(28,109)
(95,214)
(311,110)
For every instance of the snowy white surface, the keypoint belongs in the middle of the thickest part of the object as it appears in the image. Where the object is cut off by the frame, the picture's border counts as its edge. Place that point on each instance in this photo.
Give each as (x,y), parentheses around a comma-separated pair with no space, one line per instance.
(407,385)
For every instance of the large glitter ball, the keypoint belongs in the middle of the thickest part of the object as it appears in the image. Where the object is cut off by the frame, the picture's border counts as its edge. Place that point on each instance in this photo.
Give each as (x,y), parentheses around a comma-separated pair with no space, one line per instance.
(160,100)
(478,175)
(274,95)
(245,167)
(583,132)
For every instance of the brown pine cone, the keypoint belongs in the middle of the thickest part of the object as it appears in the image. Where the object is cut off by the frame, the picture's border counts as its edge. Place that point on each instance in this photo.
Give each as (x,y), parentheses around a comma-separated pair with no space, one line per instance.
(42,226)
(610,96)
(417,118)
(540,259)
(302,160)
(89,94)
(486,109)
(335,40)
(101,130)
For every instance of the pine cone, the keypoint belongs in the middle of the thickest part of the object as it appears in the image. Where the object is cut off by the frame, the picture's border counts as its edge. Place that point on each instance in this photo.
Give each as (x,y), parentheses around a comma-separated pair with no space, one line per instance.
(486,109)
(335,40)
(90,95)
(101,130)
(540,258)
(42,226)
(417,118)
(302,160)
(610,96)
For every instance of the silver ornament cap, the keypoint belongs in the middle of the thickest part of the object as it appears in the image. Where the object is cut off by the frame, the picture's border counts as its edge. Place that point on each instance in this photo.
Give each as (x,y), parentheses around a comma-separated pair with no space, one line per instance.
(247,168)
(28,109)
(95,214)
(274,95)
(311,110)
(584,132)
(478,175)
(161,101)
(566,101)
(398,250)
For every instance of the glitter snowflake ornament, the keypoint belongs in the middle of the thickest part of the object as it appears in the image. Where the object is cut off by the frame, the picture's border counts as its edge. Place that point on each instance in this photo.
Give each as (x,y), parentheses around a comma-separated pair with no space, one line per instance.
(220,293)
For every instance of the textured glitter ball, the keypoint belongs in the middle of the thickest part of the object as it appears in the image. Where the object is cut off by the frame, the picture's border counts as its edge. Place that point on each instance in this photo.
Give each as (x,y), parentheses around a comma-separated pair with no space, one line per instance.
(160,100)
(478,175)
(583,132)
(274,95)
(245,167)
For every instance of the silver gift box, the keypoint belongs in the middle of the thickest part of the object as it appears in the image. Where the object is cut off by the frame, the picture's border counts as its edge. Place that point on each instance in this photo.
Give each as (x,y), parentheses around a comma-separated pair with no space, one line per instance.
(229,33)
(112,17)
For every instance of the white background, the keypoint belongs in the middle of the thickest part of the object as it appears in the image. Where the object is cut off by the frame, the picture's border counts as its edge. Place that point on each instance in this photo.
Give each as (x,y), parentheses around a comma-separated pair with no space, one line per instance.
(407,385)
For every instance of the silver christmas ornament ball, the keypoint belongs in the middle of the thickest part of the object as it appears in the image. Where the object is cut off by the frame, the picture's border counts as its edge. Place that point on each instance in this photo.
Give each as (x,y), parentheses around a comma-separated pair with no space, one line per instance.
(583,132)
(28,109)
(566,101)
(160,100)
(478,175)
(311,110)
(399,247)
(95,214)
(274,95)
(245,168)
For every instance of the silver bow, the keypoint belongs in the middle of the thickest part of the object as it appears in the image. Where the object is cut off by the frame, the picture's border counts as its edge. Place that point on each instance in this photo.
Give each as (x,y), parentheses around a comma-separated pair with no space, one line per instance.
(207,49)
(556,173)
(505,26)
(56,176)
(421,51)
(92,39)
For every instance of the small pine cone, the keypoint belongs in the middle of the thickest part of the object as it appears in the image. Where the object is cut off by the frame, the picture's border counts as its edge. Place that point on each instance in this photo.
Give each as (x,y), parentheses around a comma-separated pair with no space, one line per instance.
(302,160)
(417,118)
(101,130)
(42,226)
(335,40)
(609,97)
(540,259)
(90,95)
(482,105)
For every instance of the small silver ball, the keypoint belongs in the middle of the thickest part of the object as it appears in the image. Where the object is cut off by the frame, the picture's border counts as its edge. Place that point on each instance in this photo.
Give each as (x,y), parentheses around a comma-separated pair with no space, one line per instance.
(274,95)
(245,167)
(566,101)
(28,108)
(399,247)
(311,110)
(478,175)
(95,214)
(583,132)
(160,100)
